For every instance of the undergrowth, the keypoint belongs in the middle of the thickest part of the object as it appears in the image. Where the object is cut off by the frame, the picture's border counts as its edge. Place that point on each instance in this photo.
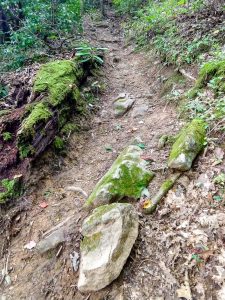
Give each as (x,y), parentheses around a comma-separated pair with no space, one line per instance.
(170,27)
(207,98)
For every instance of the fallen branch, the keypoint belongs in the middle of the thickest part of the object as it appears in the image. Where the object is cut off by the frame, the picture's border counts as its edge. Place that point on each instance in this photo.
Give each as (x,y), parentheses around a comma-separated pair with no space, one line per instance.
(150,205)
(187,75)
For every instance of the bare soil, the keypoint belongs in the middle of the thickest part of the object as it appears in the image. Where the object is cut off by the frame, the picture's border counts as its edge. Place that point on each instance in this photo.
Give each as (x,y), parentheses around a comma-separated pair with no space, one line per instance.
(178,251)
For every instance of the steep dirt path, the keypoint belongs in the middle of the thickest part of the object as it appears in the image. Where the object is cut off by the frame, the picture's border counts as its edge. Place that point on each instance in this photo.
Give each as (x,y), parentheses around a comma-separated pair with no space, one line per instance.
(146,274)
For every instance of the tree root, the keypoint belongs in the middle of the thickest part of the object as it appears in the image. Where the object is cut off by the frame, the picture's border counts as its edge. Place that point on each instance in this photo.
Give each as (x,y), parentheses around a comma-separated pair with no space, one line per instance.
(150,205)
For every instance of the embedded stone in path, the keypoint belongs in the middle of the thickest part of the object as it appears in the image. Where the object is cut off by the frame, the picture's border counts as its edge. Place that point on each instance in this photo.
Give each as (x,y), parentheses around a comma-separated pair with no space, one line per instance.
(187,146)
(127,177)
(122,104)
(109,234)
(56,235)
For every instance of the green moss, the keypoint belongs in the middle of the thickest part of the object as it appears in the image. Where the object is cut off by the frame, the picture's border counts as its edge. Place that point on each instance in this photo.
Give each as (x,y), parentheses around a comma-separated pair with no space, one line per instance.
(212,73)
(12,188)
(167,184)
(99,212)
(127,177)
(58,143)
(25,151)
(170,82)
(7,136)
(39,113)
(69,128)
(90,243)
(4,112)
(58,78)
(59,81)
(190,141)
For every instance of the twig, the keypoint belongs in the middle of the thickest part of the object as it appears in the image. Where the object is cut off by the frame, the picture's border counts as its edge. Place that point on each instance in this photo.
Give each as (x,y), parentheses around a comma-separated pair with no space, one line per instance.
(5,270)
(59,251)
(187,75)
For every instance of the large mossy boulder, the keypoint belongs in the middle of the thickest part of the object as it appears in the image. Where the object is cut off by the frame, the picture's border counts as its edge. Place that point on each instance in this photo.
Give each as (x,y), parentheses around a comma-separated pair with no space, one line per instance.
(187,146)
(127,177)
(108,237)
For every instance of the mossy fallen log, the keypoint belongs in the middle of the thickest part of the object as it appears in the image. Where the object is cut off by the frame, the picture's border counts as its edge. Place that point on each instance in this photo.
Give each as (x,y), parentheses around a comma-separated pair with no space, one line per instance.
(26,131)
(150,205)
(189,143)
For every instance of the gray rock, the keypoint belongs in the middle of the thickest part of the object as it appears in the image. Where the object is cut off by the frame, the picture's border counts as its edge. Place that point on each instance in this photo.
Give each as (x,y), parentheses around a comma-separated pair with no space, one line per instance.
(56,235)
(140,110)
(109,234)
(127,177)
(122,105)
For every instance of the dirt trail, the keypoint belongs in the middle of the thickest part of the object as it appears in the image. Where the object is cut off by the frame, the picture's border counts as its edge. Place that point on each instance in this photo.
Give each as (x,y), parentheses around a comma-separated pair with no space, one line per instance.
(151,272)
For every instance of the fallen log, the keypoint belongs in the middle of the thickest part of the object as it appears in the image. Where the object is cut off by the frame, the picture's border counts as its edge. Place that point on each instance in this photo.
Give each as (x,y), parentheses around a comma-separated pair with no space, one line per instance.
(150,205)
(27,129)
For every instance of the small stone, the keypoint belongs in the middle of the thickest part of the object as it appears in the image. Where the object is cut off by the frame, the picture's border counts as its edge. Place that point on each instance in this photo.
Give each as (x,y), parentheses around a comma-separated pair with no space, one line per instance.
(140,111)
(162,141)
(104,254)
(122,105)
(56,235)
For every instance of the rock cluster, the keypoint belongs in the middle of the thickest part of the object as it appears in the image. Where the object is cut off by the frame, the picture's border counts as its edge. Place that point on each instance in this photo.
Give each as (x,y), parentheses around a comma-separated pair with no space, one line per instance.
(110,230)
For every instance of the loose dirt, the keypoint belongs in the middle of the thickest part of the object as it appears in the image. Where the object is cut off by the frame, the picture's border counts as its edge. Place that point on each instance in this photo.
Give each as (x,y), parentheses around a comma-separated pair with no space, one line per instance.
(172,248)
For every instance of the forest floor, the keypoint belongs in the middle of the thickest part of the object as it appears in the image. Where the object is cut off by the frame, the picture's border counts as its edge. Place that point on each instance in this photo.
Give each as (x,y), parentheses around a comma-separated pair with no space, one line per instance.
(179,249)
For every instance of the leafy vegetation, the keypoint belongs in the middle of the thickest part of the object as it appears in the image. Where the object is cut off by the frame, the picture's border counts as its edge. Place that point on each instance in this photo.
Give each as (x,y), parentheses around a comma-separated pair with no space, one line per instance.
(91,54)
(170,26)
(12,189)
(34,30)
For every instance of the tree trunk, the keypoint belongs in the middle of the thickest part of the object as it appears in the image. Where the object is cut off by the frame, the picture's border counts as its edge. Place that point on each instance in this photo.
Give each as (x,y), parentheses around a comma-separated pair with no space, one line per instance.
(4,27)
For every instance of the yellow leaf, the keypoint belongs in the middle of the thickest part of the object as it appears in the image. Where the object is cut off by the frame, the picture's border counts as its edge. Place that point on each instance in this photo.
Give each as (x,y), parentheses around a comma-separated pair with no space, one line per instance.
(147,203)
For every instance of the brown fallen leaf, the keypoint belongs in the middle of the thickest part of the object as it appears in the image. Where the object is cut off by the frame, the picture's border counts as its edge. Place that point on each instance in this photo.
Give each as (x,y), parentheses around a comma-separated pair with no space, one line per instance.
(43,204)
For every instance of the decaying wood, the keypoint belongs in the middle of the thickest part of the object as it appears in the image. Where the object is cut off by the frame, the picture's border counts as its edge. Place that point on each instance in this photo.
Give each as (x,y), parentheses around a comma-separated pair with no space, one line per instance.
(18,104)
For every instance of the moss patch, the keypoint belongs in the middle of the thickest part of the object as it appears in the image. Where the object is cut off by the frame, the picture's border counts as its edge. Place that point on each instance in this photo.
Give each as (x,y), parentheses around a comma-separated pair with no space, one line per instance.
(58,78)
(12,187)
(90,243)
(99,212)
(39,113)
(212,72)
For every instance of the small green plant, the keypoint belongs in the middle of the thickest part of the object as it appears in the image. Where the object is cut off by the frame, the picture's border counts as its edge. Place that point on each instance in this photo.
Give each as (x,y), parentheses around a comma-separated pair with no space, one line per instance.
(58,143)
(7,136)
(220,179)
(3,91)
(12,189)
(87,53)
(25,150)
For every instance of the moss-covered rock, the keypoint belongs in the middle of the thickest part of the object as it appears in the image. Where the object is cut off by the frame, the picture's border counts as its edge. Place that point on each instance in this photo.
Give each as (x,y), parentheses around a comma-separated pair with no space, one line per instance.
(104,254)
(122,105)
(189,143)
(127,177)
